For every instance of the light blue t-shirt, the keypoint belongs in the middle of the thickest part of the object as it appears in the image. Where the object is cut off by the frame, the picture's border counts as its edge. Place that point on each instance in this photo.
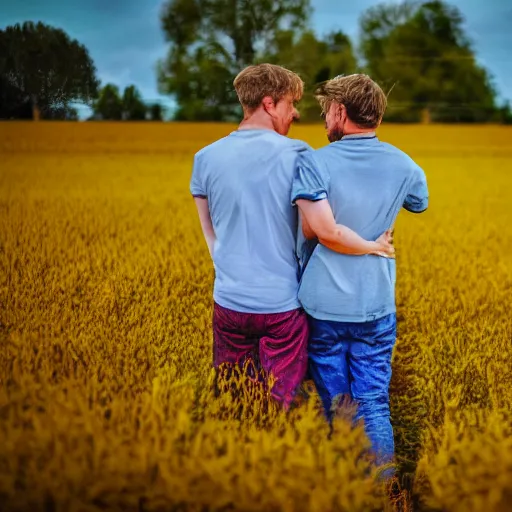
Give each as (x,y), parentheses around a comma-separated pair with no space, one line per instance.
(367,182)
(247,179)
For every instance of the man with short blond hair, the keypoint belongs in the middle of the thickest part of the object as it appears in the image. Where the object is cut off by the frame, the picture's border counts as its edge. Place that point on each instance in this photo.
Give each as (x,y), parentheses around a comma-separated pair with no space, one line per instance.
(351,301)
(253,83)
(242,185)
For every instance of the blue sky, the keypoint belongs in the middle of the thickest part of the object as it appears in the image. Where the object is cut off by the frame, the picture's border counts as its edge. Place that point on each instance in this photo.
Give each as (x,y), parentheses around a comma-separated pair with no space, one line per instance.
(125,39)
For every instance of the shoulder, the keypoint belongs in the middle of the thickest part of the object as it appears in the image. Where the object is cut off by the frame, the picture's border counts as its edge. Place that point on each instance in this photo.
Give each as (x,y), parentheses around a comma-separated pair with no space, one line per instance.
(325,151)
(287,143)
(396,152)
(401,158)
(320,157)
(313,162)
(211,148)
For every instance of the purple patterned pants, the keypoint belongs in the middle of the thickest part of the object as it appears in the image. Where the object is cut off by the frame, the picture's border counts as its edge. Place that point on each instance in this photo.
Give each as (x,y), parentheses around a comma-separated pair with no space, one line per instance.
(278,340)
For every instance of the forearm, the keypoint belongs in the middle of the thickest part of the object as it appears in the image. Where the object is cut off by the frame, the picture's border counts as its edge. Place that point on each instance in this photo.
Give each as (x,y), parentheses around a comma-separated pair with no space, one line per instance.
(210,241)
(320,219)
(346,241)
(206,223)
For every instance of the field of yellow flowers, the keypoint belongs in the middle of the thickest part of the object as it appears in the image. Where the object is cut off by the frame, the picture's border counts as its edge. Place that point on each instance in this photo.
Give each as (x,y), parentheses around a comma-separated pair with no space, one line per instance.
(106,396)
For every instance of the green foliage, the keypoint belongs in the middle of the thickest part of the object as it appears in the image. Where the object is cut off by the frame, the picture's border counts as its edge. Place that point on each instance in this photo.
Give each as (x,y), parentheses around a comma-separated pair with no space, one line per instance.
(43,67)
(417,49)
(14,104)
(211,41)
(156,112)
(421,51)
(134,108)
(65,113)
(111,106)
(505,114)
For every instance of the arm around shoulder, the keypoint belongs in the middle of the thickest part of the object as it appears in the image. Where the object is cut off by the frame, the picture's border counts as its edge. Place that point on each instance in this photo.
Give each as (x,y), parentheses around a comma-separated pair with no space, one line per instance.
(310,192)
(320,220)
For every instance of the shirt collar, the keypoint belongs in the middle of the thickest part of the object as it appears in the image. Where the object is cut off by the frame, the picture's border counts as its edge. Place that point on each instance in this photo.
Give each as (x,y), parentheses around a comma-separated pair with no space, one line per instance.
(367,135)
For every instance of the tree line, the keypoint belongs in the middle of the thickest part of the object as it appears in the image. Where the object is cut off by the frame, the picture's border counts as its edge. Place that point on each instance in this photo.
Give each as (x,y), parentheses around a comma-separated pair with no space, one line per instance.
(111,105)
(43,73)
(418,51)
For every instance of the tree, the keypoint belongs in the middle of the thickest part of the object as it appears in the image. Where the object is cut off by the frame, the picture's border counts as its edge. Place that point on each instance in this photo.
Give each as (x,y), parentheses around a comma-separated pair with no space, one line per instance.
(422,49)
(505,113)
(13,103)
(66,113)
(156,112)
(211,41)
(133,107)
(109,105)
(43,67)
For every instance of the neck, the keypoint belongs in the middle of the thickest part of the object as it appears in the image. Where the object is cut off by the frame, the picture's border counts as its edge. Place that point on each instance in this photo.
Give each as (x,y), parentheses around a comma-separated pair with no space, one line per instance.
(257,120)
(355,130)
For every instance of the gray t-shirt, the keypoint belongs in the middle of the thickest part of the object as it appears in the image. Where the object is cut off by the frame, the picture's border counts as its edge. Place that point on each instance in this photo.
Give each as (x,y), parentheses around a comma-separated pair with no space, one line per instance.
(367,182)
(247,179)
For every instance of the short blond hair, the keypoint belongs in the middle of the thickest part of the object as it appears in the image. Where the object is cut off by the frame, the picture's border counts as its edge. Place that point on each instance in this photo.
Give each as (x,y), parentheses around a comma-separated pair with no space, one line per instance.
(253,83)
(363,98)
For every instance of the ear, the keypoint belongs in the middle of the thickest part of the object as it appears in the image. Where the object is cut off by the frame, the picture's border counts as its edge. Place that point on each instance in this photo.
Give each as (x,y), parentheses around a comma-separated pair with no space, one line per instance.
(269,105)
(341,113)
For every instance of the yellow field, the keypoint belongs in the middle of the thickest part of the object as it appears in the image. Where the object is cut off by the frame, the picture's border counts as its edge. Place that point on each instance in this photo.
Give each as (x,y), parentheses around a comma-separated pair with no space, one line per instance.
(105,347)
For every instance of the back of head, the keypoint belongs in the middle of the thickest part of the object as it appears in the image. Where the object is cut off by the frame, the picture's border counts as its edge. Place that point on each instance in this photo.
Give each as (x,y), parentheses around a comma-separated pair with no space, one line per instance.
(256,82)
(365,102)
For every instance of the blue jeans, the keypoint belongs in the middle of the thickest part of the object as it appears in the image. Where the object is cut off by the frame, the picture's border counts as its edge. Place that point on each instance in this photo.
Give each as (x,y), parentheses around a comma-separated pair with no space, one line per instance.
(354,359)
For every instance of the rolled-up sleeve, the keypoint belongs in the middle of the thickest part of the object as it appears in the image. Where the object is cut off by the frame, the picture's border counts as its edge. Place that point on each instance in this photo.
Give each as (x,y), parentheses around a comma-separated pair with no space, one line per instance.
(197,188)
(311,182)
(417,198)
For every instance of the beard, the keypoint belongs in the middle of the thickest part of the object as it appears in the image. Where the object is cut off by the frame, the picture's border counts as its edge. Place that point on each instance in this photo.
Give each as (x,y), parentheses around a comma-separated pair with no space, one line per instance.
(335,134)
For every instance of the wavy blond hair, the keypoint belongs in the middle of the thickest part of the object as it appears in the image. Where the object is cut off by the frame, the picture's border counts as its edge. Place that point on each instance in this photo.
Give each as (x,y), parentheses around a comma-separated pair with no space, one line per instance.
(363,98)
(253,83)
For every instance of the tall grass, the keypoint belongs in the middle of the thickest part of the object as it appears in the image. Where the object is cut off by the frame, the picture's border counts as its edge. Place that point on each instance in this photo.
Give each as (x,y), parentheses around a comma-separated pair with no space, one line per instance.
(106,395)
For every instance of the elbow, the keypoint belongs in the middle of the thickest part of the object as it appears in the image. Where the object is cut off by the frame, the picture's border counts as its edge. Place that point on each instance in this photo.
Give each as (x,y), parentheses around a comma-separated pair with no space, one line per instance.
(309,234)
